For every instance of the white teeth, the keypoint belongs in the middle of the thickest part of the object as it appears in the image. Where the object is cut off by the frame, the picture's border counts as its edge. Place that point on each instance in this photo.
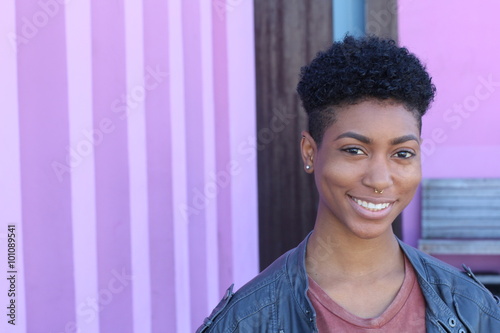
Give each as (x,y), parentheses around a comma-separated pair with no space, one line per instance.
(370,205)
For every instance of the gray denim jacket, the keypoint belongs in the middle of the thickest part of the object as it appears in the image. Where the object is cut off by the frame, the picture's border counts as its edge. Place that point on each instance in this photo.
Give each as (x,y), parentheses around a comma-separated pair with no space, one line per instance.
(276,301)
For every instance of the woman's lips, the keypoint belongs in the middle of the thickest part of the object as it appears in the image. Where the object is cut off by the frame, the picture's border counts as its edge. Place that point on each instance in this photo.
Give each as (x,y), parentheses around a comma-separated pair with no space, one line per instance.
(372,209)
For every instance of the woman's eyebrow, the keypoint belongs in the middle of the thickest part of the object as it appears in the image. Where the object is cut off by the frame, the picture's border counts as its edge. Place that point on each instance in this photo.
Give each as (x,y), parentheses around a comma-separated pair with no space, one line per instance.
(356,136)
(367,140)
(403,139)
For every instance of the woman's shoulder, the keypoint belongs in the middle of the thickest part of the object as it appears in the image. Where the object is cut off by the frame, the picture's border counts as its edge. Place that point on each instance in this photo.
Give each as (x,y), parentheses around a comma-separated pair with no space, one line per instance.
(251,304)
(455,287)
(437,271)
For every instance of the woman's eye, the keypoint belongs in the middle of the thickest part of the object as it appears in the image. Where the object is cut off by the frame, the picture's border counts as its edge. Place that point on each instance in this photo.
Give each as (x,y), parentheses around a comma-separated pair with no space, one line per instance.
(353,151)
(404,154)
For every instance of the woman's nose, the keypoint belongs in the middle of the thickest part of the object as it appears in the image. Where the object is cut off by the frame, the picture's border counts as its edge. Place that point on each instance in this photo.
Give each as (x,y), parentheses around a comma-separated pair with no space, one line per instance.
(378,174)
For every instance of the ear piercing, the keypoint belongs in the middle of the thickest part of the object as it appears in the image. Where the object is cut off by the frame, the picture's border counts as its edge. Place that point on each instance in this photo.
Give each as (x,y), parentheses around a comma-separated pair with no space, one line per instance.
(378,191)
(309,167)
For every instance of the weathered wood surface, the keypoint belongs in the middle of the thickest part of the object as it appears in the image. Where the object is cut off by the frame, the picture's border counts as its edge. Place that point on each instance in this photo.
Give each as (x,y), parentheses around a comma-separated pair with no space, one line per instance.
(288,34)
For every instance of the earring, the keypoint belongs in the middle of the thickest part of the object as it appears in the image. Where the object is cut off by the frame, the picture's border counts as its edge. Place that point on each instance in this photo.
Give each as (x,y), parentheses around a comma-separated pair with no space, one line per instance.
(378,191)
(308,167)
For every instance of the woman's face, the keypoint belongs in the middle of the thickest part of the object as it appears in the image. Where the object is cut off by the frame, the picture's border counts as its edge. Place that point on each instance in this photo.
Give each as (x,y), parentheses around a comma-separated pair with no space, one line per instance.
(373,145)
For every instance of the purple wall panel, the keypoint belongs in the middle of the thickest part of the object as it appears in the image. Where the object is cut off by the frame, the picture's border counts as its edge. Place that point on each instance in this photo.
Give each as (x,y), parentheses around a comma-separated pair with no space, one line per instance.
(156,55)
(125,119)
(46,201)
(195,157)
(460,131)
(111,164)
(223,155)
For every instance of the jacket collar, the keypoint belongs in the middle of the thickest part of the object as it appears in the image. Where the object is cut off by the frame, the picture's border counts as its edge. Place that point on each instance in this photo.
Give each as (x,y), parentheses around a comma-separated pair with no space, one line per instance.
(434,304)
(298,279)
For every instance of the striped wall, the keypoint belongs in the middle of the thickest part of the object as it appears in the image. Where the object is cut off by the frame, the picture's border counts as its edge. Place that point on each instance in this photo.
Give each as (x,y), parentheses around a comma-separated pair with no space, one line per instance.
(128,161)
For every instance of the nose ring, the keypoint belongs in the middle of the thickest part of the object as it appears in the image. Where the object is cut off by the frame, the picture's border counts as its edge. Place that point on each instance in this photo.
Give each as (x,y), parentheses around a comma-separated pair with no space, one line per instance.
(378,191)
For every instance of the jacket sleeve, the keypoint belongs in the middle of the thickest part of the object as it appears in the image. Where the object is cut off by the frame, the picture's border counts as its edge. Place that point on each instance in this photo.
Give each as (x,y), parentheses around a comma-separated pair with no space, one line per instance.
(208,322)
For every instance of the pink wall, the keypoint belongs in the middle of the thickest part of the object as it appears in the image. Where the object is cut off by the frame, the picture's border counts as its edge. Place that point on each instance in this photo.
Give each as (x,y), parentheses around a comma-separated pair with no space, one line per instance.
(120,138)
(459,45)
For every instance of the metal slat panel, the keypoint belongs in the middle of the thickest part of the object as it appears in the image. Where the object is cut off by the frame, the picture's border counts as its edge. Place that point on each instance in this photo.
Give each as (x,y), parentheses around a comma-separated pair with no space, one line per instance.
(461,216)
(462,202)
(488,279)
(464,233)
(456,213)
(462,223)
(461,182)
(489,247)
(453,192)
(460,229)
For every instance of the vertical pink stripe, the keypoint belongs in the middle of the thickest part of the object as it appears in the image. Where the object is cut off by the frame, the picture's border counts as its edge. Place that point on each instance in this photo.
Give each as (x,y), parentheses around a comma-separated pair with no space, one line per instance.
(43,118)
(156,58)
(178,167)
(241,96)
(209,121)
(195,161)
(137,85)
(223,145)
(111,160)
(82,133)
(10,174)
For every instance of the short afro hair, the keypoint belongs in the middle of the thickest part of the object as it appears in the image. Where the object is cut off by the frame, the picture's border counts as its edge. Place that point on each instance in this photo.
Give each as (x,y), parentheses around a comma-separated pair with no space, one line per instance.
(356,69)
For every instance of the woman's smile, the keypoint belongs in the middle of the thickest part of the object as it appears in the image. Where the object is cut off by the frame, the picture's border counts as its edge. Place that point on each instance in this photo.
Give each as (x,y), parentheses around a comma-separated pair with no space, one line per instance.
(371,205)
(369,209)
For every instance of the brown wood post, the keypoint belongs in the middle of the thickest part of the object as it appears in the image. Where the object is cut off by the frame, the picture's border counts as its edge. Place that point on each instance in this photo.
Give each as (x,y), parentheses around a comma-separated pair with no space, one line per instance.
(288,34)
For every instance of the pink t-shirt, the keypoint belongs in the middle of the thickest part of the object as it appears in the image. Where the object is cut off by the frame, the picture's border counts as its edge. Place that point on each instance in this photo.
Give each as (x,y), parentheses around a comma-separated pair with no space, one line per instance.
(406,313)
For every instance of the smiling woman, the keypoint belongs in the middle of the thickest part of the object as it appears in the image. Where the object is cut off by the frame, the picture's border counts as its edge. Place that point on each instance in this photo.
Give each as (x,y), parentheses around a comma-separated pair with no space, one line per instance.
(367,169)
(365,99)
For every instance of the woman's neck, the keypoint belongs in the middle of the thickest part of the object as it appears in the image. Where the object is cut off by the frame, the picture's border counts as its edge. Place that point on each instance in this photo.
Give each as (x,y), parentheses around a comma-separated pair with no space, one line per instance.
(333,255)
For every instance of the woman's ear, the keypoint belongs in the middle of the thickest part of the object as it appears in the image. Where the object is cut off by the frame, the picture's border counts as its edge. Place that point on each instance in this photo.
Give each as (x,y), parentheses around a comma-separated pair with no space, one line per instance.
(308,150)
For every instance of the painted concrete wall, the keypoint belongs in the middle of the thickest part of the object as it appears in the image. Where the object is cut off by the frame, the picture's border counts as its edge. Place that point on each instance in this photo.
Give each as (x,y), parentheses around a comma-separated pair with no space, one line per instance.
(127,164)
(458,41)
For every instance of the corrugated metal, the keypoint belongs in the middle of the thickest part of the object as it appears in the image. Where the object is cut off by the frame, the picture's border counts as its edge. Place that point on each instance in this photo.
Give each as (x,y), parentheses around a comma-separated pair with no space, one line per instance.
(122,128)
(461,208)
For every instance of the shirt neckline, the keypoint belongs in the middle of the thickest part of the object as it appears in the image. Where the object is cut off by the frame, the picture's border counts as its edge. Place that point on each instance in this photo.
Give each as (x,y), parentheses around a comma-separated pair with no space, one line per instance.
(376,322)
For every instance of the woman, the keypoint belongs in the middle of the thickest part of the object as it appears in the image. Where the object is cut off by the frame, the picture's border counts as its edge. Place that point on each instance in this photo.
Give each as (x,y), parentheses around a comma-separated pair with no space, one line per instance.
(364,99)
